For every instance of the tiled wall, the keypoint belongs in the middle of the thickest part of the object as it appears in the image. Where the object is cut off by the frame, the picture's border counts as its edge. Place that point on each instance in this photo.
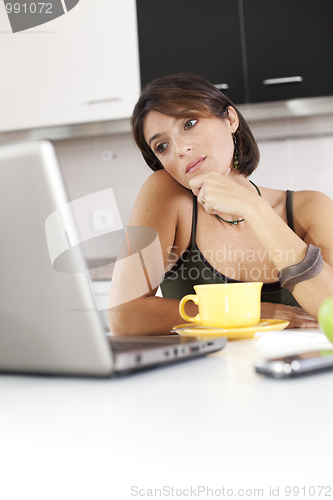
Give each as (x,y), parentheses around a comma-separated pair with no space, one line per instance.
(93,164)
(296,153)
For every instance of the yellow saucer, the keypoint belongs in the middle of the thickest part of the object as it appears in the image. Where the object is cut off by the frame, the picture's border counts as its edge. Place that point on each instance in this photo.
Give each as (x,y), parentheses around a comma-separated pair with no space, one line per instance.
(200,331)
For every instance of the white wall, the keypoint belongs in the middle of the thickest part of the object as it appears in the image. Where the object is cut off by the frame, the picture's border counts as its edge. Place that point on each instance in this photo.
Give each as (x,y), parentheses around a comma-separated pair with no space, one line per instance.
(94,164)
(296,153)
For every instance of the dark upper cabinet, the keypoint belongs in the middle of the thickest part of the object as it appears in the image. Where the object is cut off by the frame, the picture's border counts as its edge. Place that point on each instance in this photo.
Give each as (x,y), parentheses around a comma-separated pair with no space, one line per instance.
(260,50)
(198,36)
(287,39)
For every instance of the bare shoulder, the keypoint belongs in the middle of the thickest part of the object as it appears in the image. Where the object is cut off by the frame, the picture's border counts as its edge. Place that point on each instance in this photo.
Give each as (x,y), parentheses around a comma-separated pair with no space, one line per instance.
(162,183)
(311,207)
(160,195)
(313,214)
(301,199)
(311,200)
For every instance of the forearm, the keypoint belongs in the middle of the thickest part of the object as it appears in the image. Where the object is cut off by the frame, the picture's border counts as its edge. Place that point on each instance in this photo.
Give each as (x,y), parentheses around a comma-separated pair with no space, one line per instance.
(282,245)
(285,249)
(311,293)
(148,315)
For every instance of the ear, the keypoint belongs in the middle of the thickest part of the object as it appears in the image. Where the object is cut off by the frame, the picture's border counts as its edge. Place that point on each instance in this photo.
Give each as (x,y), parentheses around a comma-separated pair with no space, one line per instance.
(233,119)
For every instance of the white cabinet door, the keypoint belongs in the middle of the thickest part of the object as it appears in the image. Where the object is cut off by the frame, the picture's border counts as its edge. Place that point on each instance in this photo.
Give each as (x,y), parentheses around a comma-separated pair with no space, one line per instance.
(81,67)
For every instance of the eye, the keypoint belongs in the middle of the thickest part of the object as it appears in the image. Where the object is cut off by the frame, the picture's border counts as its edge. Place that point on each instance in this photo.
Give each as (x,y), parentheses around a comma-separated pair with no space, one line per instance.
(160,148)
(190,123)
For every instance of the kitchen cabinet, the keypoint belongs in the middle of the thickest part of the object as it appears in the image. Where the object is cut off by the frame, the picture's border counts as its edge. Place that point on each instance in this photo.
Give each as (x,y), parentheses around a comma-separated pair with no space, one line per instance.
(197,36)
(288,48)
(81,67)
(254,50)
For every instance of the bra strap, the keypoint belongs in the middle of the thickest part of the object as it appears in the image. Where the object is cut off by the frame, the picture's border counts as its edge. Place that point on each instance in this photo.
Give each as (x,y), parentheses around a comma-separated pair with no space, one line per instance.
(289,209)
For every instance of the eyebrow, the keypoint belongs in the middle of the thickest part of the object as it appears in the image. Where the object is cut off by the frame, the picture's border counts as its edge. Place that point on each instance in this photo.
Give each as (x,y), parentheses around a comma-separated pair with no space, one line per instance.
(160,134)
(154,137)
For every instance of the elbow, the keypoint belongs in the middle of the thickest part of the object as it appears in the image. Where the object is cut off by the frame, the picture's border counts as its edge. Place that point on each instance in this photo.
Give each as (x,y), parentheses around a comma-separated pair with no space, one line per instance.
(121,322)
(117,322)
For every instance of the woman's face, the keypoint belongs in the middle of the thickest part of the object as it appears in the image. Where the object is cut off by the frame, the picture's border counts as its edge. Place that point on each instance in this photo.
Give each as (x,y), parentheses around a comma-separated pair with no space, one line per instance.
(187,147)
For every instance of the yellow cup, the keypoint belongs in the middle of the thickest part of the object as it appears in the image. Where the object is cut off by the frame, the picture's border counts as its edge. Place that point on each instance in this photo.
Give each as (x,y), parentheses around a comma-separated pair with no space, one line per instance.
(225,305)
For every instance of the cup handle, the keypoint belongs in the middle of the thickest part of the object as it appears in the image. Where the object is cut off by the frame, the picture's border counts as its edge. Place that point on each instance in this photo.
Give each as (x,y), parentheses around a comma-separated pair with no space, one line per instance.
(191,319)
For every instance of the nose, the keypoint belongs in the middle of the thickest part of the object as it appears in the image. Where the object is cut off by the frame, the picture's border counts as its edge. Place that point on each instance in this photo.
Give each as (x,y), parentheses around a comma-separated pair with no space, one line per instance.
(183,147)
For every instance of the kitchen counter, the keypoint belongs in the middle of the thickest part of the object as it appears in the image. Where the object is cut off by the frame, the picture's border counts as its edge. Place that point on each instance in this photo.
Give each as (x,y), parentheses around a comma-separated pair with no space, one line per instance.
(253,113)
(210,423)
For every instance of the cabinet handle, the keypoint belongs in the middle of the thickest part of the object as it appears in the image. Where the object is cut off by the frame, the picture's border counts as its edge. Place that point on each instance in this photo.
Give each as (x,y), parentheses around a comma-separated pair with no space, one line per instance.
(278,81)
(222,86)
(99,101)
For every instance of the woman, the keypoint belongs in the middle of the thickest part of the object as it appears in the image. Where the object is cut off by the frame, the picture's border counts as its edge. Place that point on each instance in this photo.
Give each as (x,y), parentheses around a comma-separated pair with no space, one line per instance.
(214,224)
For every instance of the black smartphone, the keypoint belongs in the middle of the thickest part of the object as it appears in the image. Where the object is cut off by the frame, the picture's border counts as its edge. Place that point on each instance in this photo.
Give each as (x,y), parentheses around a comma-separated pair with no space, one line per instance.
(294,365)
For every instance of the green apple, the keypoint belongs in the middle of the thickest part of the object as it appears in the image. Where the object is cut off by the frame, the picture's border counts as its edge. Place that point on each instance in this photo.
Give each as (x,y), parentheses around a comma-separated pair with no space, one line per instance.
(325,317)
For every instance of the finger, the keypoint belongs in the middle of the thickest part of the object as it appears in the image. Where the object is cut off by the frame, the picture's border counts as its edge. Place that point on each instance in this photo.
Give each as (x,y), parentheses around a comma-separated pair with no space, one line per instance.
(201,198)
(197,182)
(196,192)
(205,202)
(196,187)
(298,323)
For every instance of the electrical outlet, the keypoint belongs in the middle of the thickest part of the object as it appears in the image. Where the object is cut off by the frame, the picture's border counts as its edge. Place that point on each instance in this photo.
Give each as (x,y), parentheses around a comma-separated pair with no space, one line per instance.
(102,220)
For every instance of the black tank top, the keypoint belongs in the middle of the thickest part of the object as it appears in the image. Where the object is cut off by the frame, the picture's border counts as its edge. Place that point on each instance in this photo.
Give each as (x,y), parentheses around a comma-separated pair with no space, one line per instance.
(193,269)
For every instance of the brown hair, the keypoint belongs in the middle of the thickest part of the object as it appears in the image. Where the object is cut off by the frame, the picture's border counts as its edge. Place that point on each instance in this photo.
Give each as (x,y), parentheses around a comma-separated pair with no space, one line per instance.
(179,95)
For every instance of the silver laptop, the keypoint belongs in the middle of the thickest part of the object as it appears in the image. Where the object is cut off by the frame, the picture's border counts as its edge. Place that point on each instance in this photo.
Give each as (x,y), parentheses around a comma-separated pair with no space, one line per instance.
(49,323)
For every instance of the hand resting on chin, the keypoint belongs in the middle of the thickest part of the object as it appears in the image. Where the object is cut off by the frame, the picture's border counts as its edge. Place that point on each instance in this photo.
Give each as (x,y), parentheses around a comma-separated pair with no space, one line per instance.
(297,317)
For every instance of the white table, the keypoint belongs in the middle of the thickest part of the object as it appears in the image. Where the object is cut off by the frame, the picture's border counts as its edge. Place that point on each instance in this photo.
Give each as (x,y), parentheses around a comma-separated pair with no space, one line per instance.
(210,423)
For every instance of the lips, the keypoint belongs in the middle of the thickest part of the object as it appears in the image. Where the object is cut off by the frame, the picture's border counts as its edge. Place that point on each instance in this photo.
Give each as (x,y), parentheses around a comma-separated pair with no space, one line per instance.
(194,164)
